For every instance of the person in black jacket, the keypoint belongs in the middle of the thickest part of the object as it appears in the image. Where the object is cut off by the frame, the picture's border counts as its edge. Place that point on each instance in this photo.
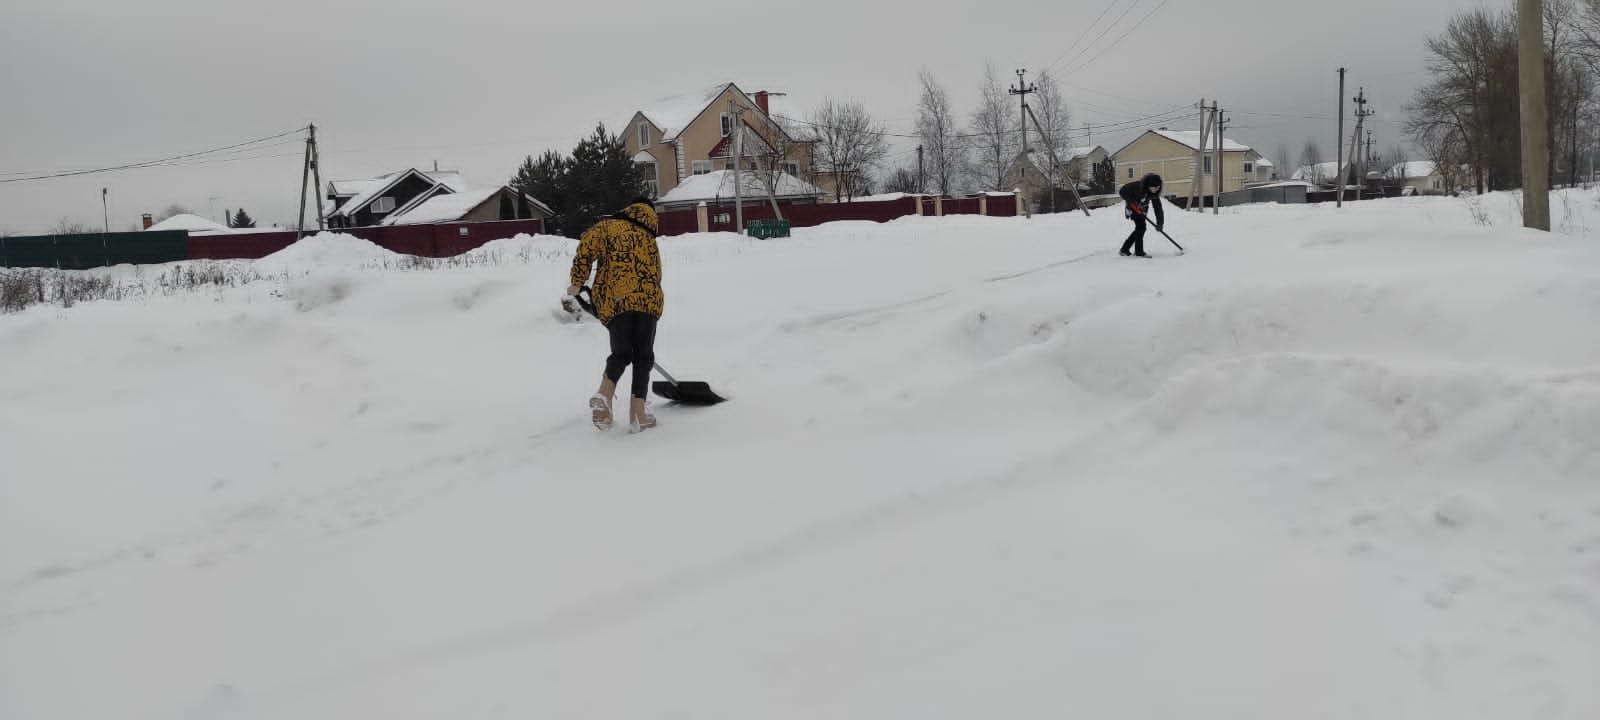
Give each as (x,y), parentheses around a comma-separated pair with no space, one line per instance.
(1139,196)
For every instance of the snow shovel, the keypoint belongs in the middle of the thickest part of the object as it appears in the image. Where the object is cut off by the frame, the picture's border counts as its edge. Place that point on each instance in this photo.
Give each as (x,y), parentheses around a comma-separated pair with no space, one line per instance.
(1159,230)
(684,392)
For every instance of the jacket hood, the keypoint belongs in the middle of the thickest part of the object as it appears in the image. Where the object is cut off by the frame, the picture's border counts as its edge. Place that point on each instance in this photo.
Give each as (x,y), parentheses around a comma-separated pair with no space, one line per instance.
(642,215)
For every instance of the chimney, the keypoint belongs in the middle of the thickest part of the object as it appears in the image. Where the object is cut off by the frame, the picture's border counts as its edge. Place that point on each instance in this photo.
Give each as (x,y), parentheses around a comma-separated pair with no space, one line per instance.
(761,102)
(148,221)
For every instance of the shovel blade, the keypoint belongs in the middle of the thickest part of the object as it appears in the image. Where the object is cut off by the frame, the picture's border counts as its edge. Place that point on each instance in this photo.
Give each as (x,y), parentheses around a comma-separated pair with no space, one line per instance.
(687,393)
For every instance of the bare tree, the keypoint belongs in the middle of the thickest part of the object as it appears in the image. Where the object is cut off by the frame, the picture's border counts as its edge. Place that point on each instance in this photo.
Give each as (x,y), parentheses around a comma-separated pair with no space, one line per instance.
(776,149)
(943,148)
(1050,109)
(995,131)
(849,146)
(902,180)
(1282,159)
(67,226)
(1396,170)
(1310,158)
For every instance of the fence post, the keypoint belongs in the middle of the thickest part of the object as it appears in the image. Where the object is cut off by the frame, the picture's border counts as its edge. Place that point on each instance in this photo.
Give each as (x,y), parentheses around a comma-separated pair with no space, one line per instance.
(1017,194)
(702,217)
(919,200)
(938,206)
(983,204)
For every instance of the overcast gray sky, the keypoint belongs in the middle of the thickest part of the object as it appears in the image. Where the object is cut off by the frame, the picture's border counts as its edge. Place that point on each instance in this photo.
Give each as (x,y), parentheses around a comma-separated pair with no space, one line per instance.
(477,84)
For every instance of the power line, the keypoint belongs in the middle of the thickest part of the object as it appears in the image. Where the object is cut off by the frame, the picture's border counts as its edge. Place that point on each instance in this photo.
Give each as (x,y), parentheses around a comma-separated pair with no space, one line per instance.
(152,163)
(1108,30)
(1120,38)
(1081,35)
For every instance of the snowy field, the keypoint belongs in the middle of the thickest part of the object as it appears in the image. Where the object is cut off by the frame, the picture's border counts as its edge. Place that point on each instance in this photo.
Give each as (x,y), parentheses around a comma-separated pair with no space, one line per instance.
(1329,464)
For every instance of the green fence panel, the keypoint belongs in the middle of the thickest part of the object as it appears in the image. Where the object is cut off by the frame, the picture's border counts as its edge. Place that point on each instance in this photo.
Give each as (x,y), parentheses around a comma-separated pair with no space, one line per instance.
(31,251)
(80,252)
(147,248)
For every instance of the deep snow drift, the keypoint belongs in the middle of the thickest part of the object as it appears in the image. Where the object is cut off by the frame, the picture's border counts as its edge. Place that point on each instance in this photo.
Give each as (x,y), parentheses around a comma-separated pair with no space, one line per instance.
(1327,465)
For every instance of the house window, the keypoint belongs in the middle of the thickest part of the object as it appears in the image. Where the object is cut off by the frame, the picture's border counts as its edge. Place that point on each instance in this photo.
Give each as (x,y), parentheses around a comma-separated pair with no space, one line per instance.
(384,204)
(1130,172)
(727,164)
(1249,168)
(701,167)
(1206,166)
(652,187)
(792,169)
(727,124)
(644,135)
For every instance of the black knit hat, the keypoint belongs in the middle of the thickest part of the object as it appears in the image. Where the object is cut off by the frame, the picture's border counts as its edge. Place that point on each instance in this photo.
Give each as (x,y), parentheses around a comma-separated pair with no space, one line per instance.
(1152,180)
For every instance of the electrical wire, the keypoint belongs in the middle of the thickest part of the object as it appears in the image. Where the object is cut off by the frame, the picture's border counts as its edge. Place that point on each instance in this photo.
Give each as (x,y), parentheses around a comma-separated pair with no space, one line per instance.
(152,163)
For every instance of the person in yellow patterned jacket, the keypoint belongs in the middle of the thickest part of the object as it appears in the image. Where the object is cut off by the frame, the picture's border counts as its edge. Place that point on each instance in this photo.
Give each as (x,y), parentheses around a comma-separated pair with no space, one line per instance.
(627,296)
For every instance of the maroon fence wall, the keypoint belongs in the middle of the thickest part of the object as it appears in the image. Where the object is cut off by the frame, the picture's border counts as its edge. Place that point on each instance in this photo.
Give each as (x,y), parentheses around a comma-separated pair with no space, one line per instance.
(434,241)
(682,222)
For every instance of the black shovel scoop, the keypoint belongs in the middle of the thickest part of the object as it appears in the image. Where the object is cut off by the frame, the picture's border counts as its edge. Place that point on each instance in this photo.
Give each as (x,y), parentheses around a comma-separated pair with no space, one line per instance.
(683,392)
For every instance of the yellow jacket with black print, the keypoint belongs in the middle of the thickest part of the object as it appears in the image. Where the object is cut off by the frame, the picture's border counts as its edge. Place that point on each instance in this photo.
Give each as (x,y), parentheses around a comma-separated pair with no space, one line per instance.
(628,276)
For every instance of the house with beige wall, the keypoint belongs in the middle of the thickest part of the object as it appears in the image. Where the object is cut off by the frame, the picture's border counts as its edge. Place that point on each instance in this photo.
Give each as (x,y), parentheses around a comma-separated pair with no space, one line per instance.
(1172,155)
(687,135)
(1031,172)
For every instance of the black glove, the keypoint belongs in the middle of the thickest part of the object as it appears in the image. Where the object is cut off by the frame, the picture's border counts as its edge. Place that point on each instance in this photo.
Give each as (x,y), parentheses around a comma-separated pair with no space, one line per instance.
(1160,227)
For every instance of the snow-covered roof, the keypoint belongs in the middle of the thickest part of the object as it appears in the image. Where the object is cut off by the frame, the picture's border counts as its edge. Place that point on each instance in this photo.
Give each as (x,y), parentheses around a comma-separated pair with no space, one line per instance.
(718,185)
(1414,169)
(362,192)
(644,157)
(192,223)
(1322,172)
(350,188)
(1191,139)
(1263,162)
(671,115)
(442,208)
(1286,183)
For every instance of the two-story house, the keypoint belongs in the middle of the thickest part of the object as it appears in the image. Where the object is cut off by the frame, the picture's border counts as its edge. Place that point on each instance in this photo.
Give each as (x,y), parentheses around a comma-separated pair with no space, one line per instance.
(679,137)
(1172,155)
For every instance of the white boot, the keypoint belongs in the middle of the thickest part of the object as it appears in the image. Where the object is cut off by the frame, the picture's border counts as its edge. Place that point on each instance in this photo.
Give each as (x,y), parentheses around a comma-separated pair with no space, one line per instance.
(638,419)
(600,404)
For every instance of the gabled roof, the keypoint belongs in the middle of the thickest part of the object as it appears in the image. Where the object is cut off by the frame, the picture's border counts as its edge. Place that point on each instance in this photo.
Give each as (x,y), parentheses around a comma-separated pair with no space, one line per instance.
(1321,172)
(1263,162)
(422,197)
(1189,139)
(449,207)
(1414,169)
(672,115)
(719,185)
(376,191)
(192,223)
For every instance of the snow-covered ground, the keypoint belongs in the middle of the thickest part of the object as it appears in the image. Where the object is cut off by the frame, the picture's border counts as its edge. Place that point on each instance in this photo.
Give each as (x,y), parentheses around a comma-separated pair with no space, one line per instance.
(1329,464)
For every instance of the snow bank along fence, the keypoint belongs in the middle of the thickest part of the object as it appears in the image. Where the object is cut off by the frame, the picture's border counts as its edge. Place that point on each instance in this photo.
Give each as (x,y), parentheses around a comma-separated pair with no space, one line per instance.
(719,217)
(81,252)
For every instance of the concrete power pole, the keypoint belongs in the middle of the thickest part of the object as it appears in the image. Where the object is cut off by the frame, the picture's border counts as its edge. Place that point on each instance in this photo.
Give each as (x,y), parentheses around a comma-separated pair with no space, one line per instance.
(1338,145)
(1196,193)
(1022,91)
(1535,133)
(1362,113)
(1216,203)
(921,186)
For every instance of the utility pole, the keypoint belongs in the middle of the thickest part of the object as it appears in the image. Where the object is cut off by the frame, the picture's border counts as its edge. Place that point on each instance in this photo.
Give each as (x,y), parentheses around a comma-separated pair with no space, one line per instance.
(1338,145)
(305,177)
(1049,146)
(738,166)
(1362,113)
(1022,90)
(1196,192)
(316,173)
(1535,133)
(105,208)
(1216,204)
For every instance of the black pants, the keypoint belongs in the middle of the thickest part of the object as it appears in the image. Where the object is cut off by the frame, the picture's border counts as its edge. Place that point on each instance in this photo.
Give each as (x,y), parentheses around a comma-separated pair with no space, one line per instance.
(633,342)
(1136,240)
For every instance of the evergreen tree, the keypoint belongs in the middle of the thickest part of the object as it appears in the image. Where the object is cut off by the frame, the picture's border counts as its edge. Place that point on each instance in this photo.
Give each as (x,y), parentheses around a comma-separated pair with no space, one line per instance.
(546,180)
(603,178)
(241,219)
